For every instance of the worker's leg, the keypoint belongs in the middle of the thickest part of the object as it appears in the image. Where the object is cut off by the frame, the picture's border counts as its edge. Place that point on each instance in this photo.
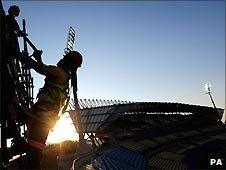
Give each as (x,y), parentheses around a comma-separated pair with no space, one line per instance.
(43,118)
(46,117)
(38,131)
(37,136)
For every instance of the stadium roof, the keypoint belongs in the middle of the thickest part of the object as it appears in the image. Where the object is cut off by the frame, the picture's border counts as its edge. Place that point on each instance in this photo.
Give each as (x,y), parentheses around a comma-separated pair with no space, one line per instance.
(97,114)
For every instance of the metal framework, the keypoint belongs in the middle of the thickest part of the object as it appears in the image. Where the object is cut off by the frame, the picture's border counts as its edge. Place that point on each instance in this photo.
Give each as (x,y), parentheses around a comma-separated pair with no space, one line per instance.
(70,40)
(16,87)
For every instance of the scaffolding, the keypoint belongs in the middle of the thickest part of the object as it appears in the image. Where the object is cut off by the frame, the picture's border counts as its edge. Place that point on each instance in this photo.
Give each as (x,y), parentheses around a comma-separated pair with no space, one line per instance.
(16,87)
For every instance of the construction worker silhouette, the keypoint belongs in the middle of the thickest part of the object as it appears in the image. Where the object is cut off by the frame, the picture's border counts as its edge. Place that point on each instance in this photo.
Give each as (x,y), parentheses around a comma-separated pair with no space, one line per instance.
(13,27)
(51,99)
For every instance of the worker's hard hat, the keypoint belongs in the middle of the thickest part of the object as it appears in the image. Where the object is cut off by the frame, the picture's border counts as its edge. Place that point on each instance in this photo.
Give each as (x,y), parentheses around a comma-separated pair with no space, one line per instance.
(14,9)
(74,58)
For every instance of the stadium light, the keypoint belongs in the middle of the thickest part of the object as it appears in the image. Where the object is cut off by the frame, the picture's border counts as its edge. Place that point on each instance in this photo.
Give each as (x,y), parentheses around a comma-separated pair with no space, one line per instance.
(207,88)
(208,91)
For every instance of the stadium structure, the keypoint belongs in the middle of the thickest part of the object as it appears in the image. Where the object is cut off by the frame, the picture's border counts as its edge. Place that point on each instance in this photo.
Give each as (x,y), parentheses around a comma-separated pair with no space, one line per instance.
(149,135)
(115,134)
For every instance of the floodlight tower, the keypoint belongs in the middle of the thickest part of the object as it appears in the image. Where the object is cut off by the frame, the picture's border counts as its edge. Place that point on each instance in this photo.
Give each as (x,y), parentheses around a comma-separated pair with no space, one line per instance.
(208,91)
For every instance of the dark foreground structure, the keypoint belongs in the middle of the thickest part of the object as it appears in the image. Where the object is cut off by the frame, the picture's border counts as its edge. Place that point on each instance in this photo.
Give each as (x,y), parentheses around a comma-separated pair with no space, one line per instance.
(16,87)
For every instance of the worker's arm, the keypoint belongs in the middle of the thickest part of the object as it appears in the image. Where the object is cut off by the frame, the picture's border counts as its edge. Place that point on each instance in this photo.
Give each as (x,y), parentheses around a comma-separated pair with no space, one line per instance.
(29,62)
(38,65)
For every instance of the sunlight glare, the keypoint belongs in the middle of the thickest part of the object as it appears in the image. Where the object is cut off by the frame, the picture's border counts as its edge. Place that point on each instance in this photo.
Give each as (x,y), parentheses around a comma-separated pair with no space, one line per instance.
(63,130)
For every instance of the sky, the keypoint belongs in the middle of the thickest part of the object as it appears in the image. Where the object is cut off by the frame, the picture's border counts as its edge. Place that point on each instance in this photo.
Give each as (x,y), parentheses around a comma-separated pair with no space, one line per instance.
(135,50)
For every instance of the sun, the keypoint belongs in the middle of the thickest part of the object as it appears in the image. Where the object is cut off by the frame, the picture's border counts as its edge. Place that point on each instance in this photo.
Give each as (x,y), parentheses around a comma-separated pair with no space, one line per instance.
(63,130)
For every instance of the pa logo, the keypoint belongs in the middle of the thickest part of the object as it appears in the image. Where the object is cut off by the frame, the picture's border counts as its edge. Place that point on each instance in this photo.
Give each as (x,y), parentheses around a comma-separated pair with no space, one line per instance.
(218,162)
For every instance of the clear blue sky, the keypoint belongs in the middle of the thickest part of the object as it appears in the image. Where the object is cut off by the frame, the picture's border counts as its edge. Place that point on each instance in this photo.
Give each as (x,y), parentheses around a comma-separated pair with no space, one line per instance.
(138,51)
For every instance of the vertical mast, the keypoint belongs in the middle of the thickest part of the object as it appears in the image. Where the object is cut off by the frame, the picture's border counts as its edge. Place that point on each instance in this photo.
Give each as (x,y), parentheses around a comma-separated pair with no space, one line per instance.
(70,47)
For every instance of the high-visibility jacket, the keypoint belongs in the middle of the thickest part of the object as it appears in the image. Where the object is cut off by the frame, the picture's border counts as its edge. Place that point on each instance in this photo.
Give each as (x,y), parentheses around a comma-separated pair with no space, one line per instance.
(52,97)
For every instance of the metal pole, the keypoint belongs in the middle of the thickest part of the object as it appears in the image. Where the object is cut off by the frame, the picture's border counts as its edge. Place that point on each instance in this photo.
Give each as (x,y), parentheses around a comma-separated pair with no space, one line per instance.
(211,98)
(70,43)
(77,108)
(26,70)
